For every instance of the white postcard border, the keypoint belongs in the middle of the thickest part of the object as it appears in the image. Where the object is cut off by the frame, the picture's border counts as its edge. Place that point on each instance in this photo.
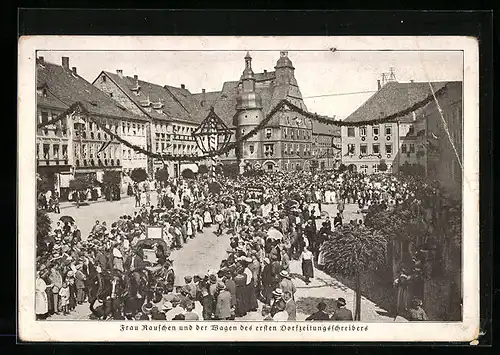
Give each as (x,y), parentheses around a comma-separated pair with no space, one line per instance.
(100,331)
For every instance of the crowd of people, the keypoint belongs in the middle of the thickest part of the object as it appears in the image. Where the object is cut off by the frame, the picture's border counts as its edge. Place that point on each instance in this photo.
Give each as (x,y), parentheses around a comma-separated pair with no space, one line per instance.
(264,234)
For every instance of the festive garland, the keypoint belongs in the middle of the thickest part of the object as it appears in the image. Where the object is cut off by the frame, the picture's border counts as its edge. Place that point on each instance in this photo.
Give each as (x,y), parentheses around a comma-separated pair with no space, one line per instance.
(232,145)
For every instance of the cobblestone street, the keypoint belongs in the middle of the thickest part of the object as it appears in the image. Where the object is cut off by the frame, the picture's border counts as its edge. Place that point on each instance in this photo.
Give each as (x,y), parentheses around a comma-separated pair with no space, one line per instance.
(206,251)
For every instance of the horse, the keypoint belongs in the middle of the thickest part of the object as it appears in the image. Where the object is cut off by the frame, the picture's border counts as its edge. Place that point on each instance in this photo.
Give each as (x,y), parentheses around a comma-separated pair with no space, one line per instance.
(107,287)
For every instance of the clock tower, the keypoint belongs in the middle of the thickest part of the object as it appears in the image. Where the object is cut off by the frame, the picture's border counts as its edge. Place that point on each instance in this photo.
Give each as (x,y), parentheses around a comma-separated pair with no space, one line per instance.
(249,114)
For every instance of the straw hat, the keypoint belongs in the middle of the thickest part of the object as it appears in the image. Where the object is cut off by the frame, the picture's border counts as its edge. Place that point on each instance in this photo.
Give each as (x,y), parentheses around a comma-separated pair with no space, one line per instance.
(278,292)
(285,274)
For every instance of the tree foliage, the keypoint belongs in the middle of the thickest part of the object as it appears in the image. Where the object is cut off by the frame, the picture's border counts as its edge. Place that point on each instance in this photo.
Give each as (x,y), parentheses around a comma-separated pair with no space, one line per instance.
(399,223)
(382,166)
(42,183)
(203,169)
(43,224)
(188,174)
(162,174)
(80,183)
(354,249)
(139,175)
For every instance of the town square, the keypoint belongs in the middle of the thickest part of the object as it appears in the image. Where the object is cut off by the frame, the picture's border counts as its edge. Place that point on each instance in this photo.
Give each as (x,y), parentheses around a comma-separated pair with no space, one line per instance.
(283,195)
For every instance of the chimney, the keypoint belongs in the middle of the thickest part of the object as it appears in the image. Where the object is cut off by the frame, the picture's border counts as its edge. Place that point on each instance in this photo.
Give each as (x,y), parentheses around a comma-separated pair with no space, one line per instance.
(265,72)
(136,78)
(378,84)
(65,63)
(73,70)
(411,81)
(203,97)
(183,86)
(119,72)
(41,60)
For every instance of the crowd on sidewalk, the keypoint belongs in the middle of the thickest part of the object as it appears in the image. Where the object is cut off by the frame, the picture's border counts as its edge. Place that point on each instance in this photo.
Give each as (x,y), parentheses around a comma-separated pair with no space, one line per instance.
(263,235)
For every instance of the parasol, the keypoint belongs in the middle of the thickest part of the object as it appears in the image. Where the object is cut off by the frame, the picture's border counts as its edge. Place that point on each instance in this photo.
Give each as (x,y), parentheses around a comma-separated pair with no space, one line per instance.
(67,219)
(273,233)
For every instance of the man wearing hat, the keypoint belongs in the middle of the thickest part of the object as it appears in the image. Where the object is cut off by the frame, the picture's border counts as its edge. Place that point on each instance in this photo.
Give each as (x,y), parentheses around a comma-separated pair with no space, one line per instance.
(320,314)
(191,287)
(176,309)
(277,295)
(190,315)
(223,303)
(287,284)
(266,313)
(342,313)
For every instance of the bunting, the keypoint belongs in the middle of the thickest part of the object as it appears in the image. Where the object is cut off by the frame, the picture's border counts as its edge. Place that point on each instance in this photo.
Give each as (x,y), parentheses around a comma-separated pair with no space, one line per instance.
(283,104)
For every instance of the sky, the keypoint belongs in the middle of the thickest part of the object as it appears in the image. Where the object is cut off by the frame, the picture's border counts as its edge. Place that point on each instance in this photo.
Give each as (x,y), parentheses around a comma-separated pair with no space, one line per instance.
(317,72)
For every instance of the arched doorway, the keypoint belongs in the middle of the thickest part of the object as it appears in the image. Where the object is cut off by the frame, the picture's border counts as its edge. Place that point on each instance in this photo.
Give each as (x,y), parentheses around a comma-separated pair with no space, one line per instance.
(269,165)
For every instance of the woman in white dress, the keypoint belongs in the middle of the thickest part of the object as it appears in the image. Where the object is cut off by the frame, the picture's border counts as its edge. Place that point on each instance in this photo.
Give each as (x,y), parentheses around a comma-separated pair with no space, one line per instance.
(41,299)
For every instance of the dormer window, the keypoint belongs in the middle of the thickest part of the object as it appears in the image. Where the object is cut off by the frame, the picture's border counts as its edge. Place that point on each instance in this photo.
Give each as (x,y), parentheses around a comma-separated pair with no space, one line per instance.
(103,78)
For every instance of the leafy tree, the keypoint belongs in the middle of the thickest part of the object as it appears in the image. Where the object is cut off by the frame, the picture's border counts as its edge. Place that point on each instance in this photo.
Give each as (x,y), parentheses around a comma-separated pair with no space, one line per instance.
(187,174)
(203,169)
(80,183)
(352,251)
(162,174)
(231,170)
(42,183)
(43,226)
(111,181)
(139,175)
(382,166)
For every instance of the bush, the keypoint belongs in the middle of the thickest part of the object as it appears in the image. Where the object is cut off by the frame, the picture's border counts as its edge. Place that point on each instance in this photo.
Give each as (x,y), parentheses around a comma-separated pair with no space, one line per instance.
(203,169)
(111,180)
(139,175)
(162,174)
(80,183)
(43,224)
(382,166)
(187,174)
(231,170)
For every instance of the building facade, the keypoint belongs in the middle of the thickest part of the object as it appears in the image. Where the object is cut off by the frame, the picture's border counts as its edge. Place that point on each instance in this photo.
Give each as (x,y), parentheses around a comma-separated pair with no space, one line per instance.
(389,145)
(326,146)
(168,116)
(286,141)
(76,145)
(443,159)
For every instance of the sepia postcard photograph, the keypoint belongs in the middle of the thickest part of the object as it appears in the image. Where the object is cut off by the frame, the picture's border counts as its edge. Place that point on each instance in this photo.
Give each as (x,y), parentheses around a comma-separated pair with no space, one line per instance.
(224,189)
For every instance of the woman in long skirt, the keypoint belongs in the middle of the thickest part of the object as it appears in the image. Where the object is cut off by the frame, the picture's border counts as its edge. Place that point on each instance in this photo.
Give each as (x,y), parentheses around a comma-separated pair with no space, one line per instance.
(41,299)
(306,259)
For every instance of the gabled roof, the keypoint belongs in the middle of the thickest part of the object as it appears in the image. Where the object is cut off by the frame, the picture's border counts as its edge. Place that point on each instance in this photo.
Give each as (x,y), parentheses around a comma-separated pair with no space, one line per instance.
(224,101)
(325,129)
(392,98)
(173,103)
(64,88)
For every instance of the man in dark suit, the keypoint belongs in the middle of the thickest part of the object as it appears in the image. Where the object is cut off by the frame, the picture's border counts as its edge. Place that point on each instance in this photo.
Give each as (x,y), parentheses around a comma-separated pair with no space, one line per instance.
(342,313)
(337,221)
(290,306)
(223,303)
(320,314)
